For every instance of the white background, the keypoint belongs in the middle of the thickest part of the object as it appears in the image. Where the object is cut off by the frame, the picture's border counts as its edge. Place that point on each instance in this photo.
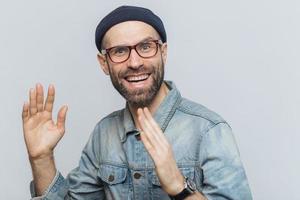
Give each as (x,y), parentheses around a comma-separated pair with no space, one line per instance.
(239,58)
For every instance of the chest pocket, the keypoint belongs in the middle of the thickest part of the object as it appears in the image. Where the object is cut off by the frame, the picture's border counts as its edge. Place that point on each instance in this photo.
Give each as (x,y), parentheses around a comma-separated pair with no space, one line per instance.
(115,180)
(157,191)
(112,175)
(186,171)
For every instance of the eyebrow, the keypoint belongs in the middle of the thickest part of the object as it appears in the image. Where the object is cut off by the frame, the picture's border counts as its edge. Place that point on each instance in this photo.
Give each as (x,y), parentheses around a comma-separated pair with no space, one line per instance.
(143,40)
(148,38)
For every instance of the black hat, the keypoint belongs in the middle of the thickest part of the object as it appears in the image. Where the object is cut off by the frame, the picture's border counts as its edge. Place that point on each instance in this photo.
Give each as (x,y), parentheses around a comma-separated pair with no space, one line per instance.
(129,13)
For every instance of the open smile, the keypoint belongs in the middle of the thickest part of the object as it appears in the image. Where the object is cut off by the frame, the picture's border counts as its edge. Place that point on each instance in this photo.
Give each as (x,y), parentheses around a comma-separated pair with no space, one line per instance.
(137,81)
(137,78)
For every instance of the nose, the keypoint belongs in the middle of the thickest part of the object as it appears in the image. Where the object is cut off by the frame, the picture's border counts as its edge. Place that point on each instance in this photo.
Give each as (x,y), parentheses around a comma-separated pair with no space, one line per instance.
(134,60)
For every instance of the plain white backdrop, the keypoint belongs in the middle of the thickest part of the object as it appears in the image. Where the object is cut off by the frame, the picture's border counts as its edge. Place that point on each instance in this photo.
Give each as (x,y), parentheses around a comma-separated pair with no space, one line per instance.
(239,58)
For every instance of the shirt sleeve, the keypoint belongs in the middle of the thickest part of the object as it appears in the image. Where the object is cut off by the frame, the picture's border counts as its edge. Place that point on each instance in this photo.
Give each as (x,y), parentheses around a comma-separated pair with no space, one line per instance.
(82,182)
(224,176)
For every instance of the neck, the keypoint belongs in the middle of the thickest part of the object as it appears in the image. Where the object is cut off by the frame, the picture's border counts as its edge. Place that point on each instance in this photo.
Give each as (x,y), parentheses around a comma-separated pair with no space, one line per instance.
(161,94)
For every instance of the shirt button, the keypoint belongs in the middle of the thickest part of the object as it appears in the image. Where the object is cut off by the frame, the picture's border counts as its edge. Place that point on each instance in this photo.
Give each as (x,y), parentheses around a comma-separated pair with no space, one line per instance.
(138,137)
(111,178)
(137,175)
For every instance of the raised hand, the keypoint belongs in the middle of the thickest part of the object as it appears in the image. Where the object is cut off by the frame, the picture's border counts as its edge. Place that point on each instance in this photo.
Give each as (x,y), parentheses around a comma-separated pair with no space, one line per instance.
(161,153)
(41,133)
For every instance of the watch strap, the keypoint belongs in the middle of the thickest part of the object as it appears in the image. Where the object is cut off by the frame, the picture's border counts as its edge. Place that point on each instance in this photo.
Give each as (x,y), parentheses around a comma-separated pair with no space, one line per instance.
(187,191)
(182,195)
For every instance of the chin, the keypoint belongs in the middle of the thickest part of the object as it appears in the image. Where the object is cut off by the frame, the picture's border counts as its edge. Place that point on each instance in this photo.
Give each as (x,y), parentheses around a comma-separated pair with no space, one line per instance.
(141,99)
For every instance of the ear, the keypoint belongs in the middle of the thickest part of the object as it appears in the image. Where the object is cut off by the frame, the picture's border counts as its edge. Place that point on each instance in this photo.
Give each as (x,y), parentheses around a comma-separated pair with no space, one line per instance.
(103,63)
(164,51)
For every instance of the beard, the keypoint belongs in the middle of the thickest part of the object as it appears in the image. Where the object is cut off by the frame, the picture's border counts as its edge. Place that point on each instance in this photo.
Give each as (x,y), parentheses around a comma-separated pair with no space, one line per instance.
(141,97)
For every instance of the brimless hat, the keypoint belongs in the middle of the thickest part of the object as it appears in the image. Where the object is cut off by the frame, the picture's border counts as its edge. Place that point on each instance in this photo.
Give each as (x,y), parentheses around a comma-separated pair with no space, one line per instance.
(129,13)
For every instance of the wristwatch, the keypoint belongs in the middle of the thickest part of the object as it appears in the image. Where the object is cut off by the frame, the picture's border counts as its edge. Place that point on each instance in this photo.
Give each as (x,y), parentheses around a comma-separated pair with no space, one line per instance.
(189,189)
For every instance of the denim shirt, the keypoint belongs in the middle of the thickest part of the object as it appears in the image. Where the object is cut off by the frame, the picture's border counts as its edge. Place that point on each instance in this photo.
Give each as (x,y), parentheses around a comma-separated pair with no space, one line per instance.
(115,164)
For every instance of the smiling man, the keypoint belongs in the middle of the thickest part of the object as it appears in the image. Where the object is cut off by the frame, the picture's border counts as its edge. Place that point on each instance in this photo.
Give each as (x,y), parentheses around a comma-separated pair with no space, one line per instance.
(136,75)
(160,146)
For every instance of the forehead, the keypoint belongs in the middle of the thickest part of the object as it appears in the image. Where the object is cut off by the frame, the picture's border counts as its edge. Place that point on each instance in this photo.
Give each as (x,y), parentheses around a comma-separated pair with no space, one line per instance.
(129,33)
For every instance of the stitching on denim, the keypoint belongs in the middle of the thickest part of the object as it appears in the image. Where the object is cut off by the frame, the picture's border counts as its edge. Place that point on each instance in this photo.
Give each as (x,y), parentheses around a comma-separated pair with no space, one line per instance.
(211,127)
(52,184)
(172,112)
(188,111)
(116,164)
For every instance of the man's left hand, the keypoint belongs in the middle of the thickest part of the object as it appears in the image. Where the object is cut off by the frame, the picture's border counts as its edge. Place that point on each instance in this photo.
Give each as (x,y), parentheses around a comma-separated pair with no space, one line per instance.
(170,177)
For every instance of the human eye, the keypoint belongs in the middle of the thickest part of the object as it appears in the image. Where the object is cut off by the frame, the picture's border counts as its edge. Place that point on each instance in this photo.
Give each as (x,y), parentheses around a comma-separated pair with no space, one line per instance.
(119,51)
(145,46)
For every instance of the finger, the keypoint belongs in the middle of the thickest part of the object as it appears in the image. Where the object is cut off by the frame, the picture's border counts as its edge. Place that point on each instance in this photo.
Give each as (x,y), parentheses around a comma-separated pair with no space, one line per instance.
(50,98)
(25,112)
(147,125)
(152,123)
(161,137)
(61,118)
(32,102)
(147,144)
(143,122)
(147,129)
(39,97)
(153,151)
(150,119)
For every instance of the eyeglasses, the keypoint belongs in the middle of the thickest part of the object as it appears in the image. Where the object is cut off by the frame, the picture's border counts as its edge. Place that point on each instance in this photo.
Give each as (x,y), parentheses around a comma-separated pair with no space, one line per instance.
(145,49)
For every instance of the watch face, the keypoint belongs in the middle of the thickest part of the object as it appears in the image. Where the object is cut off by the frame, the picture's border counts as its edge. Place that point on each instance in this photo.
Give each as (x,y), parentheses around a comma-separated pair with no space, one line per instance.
(189,189)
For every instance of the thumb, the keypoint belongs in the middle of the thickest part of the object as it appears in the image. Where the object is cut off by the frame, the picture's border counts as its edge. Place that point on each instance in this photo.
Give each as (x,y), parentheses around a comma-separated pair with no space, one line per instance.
(61,118)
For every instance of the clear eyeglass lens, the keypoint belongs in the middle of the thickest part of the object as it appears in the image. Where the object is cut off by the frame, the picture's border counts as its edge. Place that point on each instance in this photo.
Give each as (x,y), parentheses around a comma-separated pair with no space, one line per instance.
(144,49)
(119,51)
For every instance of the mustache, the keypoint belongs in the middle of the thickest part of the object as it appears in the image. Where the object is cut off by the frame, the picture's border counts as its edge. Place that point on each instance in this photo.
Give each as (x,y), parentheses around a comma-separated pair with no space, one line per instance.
(132,71)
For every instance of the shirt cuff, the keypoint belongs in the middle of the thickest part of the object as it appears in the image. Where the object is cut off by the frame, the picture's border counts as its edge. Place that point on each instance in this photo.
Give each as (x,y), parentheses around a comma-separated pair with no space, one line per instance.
(56,182)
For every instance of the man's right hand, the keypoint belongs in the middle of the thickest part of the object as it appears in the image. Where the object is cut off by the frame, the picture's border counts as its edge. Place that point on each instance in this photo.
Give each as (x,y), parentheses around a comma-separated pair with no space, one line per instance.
(41,133)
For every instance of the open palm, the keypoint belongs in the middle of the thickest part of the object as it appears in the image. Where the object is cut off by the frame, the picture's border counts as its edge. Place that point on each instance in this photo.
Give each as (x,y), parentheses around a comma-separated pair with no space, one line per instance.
(41,133)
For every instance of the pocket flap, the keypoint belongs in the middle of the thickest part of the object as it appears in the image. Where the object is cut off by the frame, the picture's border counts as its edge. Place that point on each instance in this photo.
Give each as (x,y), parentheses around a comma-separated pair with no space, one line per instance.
(187,172)
(112,174)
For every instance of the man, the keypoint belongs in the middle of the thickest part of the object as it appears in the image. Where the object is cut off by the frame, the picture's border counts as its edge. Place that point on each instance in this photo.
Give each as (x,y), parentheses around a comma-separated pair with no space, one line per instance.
(160,146)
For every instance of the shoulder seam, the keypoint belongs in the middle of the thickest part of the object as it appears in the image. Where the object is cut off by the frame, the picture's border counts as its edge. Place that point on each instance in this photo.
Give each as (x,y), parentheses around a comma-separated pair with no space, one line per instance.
(213,126)
(187,111)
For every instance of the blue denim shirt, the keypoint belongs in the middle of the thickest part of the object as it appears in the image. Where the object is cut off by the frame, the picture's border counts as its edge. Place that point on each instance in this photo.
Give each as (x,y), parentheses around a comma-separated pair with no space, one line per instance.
(115,164)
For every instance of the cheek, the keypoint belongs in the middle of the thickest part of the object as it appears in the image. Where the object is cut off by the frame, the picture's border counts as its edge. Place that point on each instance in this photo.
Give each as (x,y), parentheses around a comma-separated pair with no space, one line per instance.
(114,70)
(154,63)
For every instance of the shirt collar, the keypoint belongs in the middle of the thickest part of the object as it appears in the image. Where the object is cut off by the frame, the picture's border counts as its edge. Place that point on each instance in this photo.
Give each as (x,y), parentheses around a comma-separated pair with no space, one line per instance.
(162,115)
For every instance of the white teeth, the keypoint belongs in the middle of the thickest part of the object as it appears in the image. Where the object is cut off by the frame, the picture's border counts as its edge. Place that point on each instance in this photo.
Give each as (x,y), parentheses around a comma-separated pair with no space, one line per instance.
(137,78)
